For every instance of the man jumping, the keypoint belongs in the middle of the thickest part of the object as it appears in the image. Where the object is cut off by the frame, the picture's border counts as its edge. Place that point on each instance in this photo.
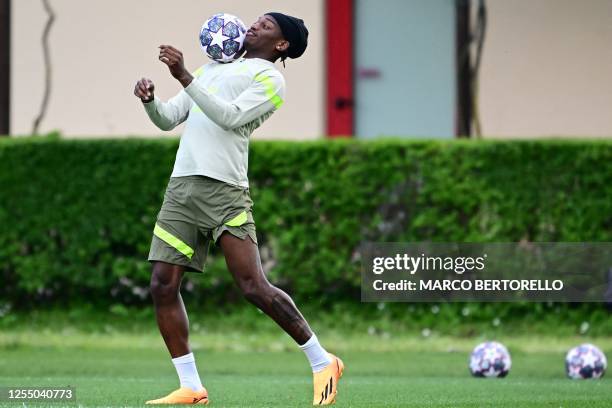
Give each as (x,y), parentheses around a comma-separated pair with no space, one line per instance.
(207,197)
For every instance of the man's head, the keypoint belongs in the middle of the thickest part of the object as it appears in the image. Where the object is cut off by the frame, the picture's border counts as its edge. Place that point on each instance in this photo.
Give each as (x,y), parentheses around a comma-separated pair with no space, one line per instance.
(276,35)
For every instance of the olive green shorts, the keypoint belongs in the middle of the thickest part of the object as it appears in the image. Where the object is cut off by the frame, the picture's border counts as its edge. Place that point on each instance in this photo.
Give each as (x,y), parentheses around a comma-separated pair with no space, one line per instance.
(195,212)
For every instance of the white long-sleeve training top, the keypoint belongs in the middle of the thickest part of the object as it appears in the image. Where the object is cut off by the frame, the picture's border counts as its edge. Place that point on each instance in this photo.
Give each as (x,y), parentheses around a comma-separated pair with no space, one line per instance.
(223,105)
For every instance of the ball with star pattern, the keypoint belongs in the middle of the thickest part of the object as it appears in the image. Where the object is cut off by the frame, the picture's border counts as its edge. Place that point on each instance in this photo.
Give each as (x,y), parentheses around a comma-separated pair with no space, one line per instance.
(222,37)
(490,359)
(585,361)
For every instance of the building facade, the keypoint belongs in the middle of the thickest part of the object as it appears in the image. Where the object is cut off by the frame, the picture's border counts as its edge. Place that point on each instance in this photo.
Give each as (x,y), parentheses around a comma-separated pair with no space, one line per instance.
(372,68)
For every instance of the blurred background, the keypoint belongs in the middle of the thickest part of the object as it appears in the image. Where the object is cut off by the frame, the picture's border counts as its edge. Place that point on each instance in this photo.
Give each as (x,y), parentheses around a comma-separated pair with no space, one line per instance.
(405,121)
(522,69)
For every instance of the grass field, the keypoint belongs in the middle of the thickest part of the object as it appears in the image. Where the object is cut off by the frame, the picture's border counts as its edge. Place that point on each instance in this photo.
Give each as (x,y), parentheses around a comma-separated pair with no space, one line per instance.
(264,369)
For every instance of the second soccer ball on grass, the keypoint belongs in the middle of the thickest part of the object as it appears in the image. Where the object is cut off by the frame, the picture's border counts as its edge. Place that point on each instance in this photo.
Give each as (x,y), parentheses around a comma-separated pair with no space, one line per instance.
(490,359)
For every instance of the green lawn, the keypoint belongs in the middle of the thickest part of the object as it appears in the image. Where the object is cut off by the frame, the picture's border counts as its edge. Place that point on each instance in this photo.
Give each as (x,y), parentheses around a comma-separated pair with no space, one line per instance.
(266,370)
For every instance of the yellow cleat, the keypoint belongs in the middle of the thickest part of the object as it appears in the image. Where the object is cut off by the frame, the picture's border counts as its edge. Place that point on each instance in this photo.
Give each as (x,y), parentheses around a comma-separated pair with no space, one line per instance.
(326,382)
(183,395)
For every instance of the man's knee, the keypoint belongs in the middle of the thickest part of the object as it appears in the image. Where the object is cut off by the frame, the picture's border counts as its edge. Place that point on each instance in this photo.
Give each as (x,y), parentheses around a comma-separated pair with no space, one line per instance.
(165,282)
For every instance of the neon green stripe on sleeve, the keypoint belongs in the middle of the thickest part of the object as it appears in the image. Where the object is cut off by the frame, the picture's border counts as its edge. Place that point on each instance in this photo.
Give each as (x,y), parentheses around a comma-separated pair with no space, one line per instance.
(276,100)
(173,241)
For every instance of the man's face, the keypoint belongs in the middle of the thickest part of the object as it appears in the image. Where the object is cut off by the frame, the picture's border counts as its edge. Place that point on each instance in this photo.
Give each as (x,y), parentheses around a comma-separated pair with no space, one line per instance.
(264,34)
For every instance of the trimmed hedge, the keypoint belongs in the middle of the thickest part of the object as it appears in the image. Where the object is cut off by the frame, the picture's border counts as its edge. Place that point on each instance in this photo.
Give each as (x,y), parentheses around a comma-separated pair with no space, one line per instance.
(76,217)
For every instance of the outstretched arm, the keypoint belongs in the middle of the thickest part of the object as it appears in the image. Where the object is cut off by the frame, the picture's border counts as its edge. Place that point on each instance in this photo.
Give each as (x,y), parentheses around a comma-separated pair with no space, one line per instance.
(264,95)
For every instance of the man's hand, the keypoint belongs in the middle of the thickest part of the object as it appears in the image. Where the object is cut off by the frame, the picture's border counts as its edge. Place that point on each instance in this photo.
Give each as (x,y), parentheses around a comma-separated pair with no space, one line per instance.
(173,58)
(144,90)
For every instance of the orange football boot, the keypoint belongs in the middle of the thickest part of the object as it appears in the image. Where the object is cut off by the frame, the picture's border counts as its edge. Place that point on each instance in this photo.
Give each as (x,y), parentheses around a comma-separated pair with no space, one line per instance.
(326,382)
(183,395)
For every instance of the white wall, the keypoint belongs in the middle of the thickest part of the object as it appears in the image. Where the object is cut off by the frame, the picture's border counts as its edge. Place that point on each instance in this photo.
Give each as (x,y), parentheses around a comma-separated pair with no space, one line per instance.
(100,48)
(547,69)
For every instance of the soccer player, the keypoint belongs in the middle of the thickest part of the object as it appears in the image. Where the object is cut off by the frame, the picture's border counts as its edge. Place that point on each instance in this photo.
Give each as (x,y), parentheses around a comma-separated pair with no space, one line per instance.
(207,197)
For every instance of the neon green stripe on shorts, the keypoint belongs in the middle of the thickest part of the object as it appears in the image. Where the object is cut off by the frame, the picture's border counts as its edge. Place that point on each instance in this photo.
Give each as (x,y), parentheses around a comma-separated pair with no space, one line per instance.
(173,241)
(238,220)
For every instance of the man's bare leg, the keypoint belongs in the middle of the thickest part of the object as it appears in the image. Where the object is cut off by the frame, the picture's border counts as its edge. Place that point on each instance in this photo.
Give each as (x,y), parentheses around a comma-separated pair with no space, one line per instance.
(174,328)
(242,258)
(169,308)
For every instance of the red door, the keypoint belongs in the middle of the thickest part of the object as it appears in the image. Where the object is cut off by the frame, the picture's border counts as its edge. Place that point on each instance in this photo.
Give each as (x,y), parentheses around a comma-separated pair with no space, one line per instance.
(339,56)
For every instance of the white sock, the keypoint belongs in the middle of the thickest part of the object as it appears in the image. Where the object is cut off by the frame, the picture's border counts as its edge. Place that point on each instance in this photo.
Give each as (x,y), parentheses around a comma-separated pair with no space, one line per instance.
(187,372)
(318,357)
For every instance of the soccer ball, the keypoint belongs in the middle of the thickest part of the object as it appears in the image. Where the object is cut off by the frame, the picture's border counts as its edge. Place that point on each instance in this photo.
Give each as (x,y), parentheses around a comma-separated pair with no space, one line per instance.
(222,37)
(585,361)
(490,359)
